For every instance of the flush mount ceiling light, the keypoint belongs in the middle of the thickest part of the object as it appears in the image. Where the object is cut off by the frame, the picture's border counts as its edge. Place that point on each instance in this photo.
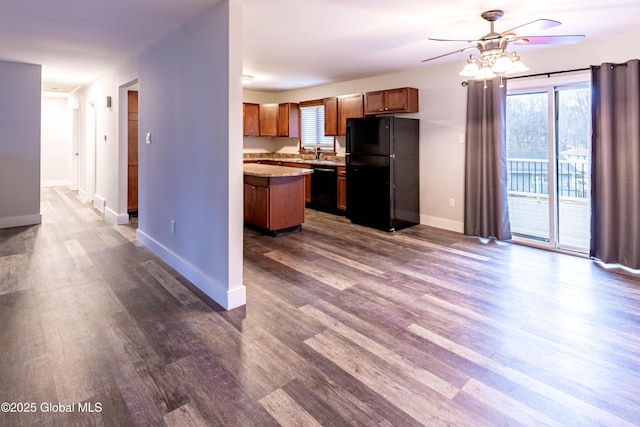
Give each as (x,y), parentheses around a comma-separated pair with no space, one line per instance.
(493,59)
(246,78)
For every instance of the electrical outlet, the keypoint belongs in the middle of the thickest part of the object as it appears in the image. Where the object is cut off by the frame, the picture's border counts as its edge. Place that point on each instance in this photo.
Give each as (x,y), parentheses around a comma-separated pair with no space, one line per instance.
(173,227)
(452,203)
(461,138)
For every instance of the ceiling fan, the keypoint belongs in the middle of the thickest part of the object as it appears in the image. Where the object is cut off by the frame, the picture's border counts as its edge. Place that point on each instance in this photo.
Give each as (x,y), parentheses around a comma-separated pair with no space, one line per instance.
(493,57)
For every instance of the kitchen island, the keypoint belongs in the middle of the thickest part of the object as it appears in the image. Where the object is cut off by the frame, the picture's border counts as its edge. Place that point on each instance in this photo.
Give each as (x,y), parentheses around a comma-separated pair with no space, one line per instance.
(274,198)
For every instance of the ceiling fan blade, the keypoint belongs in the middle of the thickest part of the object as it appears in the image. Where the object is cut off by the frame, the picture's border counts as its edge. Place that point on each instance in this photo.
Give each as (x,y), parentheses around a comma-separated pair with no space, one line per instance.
(532,27)
(450,53)
(451,40)
(568,39)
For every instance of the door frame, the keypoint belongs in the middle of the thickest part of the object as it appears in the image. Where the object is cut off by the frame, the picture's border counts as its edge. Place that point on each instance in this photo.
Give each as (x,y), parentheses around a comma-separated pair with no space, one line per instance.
(75,141)
(88,155)
(549,84)
(123,217)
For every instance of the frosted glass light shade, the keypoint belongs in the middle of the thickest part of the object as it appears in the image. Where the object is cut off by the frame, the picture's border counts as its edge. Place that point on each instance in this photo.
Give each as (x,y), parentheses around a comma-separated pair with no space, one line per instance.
(470,69)
(485,73)
(502,65)
(517,66)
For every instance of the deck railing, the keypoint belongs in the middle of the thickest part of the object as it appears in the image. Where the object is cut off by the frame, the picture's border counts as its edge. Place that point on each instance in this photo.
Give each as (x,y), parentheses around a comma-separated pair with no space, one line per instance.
(531,177)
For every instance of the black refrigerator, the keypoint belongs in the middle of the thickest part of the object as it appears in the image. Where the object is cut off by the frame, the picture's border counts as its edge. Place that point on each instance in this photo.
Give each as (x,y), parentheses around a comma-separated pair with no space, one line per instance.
(382,172)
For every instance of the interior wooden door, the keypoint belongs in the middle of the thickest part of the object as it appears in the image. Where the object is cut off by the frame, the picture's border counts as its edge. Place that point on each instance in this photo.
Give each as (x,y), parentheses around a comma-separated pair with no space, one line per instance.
(132,157)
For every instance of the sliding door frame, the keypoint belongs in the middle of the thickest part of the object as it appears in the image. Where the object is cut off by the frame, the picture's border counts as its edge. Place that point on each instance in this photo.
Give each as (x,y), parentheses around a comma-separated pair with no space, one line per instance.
(551,85)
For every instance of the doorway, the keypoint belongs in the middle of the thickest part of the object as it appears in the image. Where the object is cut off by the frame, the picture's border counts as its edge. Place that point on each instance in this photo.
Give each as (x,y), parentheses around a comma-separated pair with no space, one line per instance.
(87,188)
(132,153)
(548,165)
(75,163)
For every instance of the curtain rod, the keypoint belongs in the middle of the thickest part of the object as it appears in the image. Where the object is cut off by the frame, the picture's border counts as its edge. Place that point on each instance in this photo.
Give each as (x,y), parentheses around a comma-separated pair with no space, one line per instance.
(620,64)
(549,73)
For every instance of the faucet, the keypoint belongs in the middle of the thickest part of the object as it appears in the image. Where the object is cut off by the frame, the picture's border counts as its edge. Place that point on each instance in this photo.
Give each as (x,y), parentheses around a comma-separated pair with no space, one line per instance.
(317,153)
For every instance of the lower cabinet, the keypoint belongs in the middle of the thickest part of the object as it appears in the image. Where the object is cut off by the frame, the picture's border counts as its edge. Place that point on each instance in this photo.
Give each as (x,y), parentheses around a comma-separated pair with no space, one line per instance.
(274,203)
(256,205)
(307,178)
(342,188)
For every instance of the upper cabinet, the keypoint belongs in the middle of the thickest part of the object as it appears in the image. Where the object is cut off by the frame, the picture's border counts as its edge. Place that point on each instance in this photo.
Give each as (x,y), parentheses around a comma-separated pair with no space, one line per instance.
(251,119)
(338,109)
(391,101)
(289,120)
(271,119)
(350,106)
(331,116)
(283,120)
(268,119)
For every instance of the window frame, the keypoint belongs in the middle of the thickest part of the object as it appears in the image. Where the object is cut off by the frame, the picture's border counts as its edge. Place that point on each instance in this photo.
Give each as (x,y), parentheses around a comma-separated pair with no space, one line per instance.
(325,149)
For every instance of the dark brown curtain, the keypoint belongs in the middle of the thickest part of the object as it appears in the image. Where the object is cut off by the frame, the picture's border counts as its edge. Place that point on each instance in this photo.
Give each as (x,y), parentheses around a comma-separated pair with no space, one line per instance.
(486,209)
(615,163)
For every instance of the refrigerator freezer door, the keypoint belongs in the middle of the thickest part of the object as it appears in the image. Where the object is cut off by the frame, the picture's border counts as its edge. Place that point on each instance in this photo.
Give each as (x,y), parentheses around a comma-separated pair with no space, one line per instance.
(369,136)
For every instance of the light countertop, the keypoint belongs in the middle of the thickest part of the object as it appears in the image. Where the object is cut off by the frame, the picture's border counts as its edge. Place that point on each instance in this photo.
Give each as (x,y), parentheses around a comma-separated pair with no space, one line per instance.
(270,171)
(323,162)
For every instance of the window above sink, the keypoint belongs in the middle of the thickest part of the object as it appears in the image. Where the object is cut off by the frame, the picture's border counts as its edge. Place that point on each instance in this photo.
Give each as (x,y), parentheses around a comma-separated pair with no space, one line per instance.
(312,138)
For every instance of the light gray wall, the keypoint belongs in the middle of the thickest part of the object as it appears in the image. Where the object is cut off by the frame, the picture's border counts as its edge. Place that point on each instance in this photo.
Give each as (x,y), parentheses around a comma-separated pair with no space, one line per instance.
(20,104)
(191,173)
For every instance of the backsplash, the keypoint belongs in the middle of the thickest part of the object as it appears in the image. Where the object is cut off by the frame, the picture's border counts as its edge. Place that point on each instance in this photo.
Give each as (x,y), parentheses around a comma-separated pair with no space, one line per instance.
(280,156)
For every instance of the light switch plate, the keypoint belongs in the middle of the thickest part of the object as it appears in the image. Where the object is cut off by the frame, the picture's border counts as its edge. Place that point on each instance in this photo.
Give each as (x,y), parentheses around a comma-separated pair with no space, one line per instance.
(148,138)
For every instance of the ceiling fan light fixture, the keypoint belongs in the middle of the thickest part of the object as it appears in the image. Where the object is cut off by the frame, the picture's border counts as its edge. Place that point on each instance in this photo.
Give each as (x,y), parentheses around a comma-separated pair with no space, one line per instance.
(517,66)
(493,59)
(485,73)
(471,68)
(502,64)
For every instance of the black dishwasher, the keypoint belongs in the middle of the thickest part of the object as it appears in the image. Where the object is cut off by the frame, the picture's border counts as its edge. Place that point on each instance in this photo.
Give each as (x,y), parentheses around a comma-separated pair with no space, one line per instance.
(324,188)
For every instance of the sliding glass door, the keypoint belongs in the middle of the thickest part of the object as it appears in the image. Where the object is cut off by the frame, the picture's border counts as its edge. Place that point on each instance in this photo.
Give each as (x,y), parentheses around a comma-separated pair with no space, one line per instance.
(548,151)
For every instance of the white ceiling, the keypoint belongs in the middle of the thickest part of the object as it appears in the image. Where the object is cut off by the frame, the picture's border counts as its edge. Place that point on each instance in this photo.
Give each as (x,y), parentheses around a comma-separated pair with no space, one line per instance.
(287,43)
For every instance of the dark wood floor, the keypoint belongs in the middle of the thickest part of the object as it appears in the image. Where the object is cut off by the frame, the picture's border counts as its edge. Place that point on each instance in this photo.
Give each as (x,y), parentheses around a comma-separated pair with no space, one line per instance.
(343,325)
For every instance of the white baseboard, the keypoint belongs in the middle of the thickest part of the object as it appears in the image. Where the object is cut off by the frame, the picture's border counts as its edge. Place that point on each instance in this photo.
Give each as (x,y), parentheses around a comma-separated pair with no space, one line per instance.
(56,183)
(99,203)
(227,298)
(445,224)
(20,221)
(118,219)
